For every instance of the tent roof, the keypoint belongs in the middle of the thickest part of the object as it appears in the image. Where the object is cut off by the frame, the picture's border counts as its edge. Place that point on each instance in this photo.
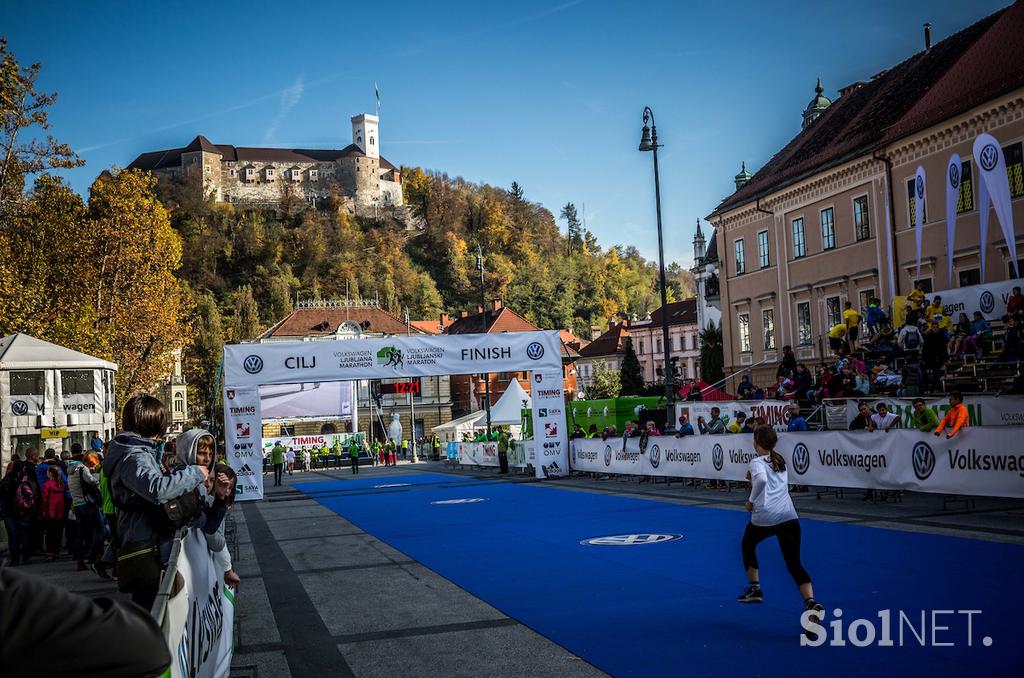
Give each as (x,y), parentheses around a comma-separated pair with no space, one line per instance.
(22,352)
(509,408)
(472,418)
(707,392)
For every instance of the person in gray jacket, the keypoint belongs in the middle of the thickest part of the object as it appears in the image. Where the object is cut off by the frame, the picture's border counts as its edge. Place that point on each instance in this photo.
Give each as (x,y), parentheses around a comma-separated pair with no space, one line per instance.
(139,486)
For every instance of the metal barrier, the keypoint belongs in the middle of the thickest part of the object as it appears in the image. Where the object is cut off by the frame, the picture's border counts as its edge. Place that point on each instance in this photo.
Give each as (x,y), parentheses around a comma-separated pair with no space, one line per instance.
(167,580)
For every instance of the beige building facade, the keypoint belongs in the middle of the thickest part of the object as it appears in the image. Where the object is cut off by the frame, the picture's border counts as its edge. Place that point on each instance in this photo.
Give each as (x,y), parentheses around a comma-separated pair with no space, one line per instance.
(812,229)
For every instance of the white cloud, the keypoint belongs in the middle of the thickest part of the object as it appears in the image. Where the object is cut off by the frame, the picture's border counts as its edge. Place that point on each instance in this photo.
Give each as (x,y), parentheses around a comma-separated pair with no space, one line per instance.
(290,97)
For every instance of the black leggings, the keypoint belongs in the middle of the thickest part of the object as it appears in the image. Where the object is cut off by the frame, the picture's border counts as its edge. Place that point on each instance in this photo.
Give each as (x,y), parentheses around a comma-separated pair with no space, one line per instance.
(788,535)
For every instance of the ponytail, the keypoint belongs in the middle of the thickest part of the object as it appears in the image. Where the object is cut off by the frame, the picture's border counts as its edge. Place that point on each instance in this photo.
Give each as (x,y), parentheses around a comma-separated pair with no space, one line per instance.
(766,438)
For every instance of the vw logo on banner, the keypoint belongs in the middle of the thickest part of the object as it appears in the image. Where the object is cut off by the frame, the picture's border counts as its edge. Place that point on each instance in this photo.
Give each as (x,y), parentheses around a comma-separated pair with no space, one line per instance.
(19,408)
(924,460)
(535,351)
(801,459)
(655,456)
(954,176)
(989,157)
(920,188)
(717,457)
(987,302)
(470,500)
(253,364)
(380,487)
(630,539)
(607,455)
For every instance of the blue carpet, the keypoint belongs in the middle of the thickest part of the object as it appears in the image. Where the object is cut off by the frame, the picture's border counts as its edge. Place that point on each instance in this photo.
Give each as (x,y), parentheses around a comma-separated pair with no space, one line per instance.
(669,609)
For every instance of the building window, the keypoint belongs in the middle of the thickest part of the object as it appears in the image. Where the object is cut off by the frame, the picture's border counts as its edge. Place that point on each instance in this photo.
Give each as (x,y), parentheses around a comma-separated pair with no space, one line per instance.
(768,326)
(861,220)
(76,382)
(1014,156)
(296,174)
(799,243)
(803,323)
(740,264)
(231,172)
(270,173)
(912,204)
(972,277)
(206,168)
(371,141)
(763,258)
(249,174)
(865,297)
(641,347)
(287,430)
(965,198)
(314,175)
(179,404)
(828,229)
(833,314)
(926,285)
(744,325)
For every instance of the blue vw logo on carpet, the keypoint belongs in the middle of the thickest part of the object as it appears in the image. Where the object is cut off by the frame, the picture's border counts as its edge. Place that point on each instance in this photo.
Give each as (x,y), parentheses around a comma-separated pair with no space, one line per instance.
(380,487)
(630,539)
(471,500)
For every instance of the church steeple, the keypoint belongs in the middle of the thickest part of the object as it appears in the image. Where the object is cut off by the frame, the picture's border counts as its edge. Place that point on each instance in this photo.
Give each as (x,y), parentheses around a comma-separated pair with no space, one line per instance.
(816,106)
(743,177)
(699,250)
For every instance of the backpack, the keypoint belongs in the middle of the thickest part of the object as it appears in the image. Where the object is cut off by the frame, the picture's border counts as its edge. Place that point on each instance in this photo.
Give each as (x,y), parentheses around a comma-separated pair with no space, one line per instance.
(912,340)
(25,495)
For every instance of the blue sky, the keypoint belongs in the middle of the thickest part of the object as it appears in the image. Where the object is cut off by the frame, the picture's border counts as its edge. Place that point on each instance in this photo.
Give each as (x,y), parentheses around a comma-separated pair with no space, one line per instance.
(546,94)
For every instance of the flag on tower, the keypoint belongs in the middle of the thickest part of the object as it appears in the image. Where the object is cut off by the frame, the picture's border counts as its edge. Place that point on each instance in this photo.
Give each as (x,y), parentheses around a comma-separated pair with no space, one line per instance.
(376,92)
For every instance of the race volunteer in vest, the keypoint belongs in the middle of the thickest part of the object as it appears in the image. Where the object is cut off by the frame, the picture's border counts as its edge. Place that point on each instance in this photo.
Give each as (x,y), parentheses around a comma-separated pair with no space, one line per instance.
(773,515)
(956,418)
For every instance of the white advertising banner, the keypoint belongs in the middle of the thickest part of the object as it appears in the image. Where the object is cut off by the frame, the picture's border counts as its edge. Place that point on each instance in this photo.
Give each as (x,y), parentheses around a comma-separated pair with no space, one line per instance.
(243,438)
(978,461)
(311,361)
(774,412)
(311,443)
(988,155)
(990,299)
(983,410)
(478,454)
(919,208)
(313,399)
(952,197)
(550,438)
(200,616)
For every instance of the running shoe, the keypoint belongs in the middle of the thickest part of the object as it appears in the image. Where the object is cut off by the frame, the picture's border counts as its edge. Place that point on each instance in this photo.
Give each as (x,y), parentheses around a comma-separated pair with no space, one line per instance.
(817,615)
(751,595)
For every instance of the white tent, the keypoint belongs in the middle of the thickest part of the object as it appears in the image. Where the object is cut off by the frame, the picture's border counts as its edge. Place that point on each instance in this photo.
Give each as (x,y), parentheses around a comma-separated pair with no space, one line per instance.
(46,386)
(453,430)
(510,406)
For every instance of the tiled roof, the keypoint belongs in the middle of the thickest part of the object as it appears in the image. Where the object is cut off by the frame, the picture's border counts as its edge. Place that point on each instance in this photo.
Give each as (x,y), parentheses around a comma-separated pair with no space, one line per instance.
(315,322)
(966,69)
(712,252)
(611,342)
(502,320)
(172,157)
(426,326)
(679,313)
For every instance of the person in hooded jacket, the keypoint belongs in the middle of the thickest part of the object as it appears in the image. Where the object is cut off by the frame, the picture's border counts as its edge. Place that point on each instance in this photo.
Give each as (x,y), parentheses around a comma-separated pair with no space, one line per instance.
(138,488)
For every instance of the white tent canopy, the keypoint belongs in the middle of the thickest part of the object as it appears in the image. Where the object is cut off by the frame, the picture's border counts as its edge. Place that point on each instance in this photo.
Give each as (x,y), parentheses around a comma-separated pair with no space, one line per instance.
(22,352)
(468,422)
(510,406)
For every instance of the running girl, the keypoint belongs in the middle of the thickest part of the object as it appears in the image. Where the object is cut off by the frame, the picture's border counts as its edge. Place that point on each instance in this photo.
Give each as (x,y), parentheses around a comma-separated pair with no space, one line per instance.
(773,515)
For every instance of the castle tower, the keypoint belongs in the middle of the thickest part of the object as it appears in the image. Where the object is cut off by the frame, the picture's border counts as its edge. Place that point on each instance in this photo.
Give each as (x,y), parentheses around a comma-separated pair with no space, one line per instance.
(698,246)
(364,134)
(816,106)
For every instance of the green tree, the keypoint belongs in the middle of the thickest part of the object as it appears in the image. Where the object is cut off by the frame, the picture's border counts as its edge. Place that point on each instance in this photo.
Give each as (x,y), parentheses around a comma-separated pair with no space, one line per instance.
(246,321)
(516,192)
(606,383)
(712,359)
(202,359)
(632,377)
(574,238)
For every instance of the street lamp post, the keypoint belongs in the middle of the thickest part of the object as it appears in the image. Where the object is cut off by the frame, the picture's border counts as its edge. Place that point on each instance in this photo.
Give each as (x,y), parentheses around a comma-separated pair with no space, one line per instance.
(649,142)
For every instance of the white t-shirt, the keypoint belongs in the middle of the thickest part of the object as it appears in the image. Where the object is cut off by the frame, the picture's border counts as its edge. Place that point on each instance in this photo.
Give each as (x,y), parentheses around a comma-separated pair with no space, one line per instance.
(883,422)
(289,456)
(772,504)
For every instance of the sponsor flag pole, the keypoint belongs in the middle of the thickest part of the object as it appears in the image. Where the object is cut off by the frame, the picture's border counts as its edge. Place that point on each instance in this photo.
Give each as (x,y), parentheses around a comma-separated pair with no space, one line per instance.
(988,155)
(919,207)
(953,180)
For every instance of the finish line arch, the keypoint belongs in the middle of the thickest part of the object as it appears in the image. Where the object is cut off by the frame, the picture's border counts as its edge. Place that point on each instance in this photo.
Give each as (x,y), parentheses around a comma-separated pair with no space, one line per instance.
(249,366)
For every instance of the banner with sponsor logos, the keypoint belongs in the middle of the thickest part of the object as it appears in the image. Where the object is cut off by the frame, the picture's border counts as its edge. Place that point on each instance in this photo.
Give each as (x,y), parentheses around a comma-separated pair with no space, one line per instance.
(312,443)
(774,412)
(414,356)
(919,208)
(988,155)
(990,299)
(486,454)
(983,410)
(550,439)
(952,197)
(985,461)
(243,438)
(199,619)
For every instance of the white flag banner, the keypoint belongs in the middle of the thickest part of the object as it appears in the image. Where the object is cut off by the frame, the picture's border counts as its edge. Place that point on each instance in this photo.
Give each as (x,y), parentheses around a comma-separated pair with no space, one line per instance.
(983,209)
(549,435)
(243,438)
(888,242)
(988,155)
(919,207)
(953,179)
(984,461)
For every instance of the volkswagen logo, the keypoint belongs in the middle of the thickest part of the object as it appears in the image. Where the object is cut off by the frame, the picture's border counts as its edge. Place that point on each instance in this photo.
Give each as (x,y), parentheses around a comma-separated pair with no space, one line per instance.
(717,457)
(954,176)
(19,408)
(468,500)
(924,460)
(989,157)
(987,302)
(253,364)
(630,539)
(535,350)
(920,187)
(607,455)
(655,456)
(801,459)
